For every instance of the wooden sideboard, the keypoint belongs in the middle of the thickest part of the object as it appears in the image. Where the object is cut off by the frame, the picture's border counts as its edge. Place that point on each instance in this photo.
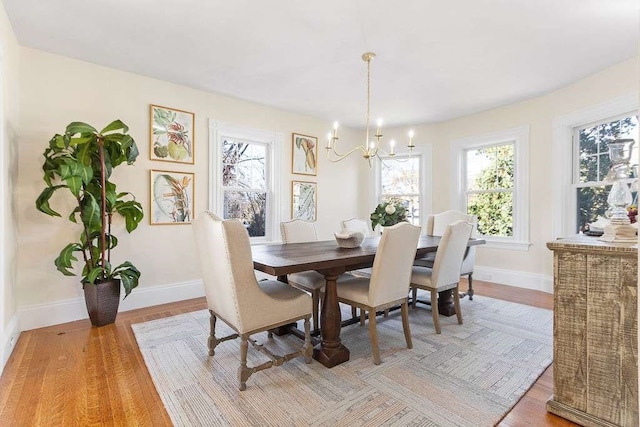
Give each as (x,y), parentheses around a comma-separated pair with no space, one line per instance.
(595,332)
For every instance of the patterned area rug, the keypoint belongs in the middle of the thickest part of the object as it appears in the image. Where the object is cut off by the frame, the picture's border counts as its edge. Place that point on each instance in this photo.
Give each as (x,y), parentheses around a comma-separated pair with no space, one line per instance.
(470,375)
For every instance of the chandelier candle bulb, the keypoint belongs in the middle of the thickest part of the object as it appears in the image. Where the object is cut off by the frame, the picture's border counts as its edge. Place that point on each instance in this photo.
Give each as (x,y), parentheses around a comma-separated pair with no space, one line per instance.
(379,129)
(411,139)
(392,143)
(335,130)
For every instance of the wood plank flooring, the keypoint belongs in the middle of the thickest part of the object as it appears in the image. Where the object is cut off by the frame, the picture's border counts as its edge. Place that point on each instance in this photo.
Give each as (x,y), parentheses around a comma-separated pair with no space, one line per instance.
(73,374)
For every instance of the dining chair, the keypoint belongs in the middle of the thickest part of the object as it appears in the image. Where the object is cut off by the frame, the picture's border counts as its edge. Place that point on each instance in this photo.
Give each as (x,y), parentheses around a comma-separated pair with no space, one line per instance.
(436,224)
(445,273)
(389,282)
(300,231)
(235,296)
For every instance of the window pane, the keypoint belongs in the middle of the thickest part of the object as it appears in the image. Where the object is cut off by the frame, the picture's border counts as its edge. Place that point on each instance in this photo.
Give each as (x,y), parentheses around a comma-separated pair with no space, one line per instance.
(400,177)
(494,212)
(244,165)
(490,168)
(593,151)
(249,207)
(591,203)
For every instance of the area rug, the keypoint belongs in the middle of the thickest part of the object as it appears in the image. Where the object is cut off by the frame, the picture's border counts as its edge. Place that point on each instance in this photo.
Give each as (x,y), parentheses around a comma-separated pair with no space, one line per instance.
(470,375)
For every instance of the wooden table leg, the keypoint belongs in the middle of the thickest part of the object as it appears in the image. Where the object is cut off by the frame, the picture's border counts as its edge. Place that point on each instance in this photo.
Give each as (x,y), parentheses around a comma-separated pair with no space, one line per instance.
(331,351)
(445,303)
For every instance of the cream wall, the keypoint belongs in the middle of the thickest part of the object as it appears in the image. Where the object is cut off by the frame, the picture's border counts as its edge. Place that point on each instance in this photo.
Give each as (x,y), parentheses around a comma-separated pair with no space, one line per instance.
(54,91)
(8,167)
(532,268)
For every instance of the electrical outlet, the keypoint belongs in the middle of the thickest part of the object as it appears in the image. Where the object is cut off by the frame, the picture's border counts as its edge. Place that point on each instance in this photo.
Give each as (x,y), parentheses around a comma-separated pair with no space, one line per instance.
(12,341)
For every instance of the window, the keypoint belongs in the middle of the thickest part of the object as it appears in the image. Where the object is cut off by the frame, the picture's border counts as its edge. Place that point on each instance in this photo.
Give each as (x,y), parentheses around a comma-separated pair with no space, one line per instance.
(591,164)
(566,159)
(489,188)
(404,179)
(490,179)
(245,177)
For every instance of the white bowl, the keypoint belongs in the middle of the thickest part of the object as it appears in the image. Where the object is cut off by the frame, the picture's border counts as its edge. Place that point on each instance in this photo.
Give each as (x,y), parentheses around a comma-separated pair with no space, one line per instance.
(349,239)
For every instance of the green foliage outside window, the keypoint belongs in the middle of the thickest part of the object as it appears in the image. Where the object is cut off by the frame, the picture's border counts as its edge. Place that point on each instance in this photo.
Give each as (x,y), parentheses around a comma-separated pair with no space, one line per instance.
(491,199)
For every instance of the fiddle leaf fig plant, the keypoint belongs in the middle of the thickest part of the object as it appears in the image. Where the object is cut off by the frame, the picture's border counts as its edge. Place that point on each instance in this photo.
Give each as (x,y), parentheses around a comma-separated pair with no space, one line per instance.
(81,162)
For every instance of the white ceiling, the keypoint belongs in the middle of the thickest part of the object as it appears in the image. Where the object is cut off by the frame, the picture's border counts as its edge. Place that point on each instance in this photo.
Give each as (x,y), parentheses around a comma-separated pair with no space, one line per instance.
(436,59)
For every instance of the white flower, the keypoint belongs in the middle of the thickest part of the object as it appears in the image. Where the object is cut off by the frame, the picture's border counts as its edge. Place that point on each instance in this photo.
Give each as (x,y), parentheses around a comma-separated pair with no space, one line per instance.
(390,209)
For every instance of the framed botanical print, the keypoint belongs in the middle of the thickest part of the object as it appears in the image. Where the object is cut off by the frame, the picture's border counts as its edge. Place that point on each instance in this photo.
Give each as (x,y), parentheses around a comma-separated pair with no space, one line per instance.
(172,138)
(171,197)
(304,197)
(304,157)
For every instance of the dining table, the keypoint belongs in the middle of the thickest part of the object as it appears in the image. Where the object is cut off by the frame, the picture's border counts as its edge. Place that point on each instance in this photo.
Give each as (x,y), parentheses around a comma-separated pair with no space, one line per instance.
(331,260)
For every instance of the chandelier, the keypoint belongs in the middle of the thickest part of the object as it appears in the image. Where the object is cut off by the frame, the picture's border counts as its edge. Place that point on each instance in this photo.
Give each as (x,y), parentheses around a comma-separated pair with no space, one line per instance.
(371,148)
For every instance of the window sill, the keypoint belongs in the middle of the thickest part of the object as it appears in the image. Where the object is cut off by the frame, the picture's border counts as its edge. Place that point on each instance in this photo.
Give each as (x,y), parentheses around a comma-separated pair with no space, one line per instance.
(511,245)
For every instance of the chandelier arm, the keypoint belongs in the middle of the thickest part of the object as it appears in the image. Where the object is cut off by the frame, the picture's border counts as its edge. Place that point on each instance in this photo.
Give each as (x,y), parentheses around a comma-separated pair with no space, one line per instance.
(342,156)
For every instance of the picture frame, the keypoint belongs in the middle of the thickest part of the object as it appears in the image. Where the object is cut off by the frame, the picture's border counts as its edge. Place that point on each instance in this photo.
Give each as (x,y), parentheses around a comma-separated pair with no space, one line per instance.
(304,154)
(171,135)
(304,200)
(171,197)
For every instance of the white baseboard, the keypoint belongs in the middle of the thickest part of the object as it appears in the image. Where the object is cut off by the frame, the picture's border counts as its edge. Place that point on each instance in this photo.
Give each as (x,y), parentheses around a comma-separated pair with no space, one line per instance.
(11,334)
(520,279)
(41,315)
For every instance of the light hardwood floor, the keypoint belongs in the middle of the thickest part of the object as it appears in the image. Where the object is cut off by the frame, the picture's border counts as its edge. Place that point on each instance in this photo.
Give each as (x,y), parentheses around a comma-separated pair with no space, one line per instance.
(73,374)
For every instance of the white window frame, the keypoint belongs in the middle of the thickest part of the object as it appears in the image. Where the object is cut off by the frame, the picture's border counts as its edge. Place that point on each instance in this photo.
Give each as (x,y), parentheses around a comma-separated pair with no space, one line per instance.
(519,136)
(425,154)
(564,203)
(218,132)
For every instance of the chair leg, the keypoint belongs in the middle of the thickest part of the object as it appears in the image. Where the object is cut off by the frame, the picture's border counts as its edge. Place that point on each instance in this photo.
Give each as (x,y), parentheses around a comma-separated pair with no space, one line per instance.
(434,310)
(315,298)
(354,312)
(307,347)
(405,323)
(470,288)
(414,296)
(386,313)
(212,342)
(243,371)
(373,333)
(362,317)
(456,303)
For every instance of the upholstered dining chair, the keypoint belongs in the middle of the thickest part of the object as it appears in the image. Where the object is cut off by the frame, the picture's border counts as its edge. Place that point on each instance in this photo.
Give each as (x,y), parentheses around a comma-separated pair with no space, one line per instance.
(300,231)
(445,273)
(389,282)
(436,224)
(234,295)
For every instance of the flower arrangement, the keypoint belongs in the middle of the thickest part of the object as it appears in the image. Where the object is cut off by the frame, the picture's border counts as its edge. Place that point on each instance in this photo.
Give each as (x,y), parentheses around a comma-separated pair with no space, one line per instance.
(388,213)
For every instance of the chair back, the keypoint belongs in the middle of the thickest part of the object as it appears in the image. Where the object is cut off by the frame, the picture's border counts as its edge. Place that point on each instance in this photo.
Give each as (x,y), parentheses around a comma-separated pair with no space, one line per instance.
(298,231)
(436,224)
(451,250)
(356,225)
(224,252)
(391,273)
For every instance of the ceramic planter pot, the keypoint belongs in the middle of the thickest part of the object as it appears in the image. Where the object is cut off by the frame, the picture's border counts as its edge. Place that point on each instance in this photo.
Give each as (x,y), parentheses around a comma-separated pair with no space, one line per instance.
(102,301)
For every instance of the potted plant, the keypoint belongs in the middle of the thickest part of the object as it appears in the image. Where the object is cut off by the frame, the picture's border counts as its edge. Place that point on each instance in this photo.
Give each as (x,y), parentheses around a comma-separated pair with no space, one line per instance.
(81,162)
(388,213)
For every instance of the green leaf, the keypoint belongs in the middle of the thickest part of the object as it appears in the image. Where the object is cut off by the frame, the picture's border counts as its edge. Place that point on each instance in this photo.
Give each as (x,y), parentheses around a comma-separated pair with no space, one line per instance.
(133,153)
(79,127)
(91,214)
(72,215)
(73,142)
(115,125)
(132,213)
(93,275)
(129,275)
(42,202)
(66,258)
(75,184)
